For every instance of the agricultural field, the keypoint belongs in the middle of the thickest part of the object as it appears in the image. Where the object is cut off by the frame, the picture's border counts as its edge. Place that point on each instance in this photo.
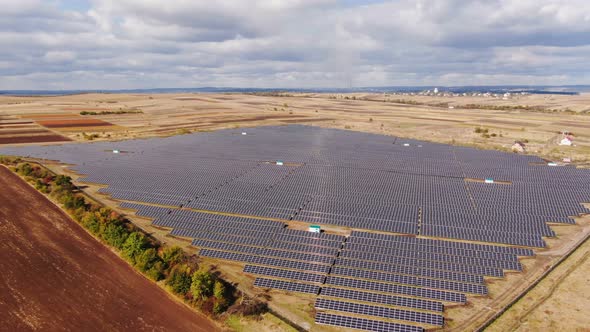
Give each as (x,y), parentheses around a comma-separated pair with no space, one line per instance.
(429,118)
(238,180)
(55,276)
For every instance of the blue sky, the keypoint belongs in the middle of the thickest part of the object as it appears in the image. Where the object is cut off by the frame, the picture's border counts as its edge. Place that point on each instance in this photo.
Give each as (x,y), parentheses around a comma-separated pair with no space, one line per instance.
(100,44)
(77,5)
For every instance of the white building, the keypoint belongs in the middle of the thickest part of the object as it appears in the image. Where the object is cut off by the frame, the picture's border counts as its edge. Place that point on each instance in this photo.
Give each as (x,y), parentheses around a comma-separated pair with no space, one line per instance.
(566,141)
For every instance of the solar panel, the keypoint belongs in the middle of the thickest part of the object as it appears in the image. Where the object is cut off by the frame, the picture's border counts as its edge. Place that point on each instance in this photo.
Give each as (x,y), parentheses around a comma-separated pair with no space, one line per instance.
(363,324)
(264,261)
(410,270)
(286,285)
(382,299)
(410,280)
(384,312)
(284,274)
(396,289)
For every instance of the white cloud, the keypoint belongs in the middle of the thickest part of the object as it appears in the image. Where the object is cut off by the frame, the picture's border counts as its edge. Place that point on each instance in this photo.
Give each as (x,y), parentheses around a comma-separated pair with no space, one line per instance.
(292,43)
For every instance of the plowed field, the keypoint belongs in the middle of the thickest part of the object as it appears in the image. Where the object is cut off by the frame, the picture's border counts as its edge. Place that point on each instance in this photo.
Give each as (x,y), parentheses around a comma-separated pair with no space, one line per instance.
(74,123)
(56,277)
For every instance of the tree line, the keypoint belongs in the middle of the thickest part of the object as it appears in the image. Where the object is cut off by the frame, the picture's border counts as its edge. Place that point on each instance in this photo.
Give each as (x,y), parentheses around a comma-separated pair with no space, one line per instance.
(181,274)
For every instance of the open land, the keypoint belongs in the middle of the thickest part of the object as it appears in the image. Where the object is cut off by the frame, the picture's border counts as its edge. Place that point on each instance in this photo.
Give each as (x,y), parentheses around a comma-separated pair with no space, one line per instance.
(57,277)
(429,119)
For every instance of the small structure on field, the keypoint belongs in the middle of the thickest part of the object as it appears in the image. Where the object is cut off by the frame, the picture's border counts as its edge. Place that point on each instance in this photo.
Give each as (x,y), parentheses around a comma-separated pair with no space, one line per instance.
(568,139)
(315,229)
(279,162)
(518,147)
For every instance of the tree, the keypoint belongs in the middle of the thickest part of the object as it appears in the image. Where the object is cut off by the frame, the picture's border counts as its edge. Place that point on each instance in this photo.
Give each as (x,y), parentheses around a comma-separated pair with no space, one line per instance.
(91,223)
(172,255)
(202,284)
(24,169)
(219,290)
(179,279)
(133,245)
(156,272)
(64,181)
(73,202)
(145,260)
(115,235)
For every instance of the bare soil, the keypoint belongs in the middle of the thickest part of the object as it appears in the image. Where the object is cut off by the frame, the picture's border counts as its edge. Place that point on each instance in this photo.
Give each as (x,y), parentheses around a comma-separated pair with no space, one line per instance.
(168,114)
(56,277)
(33,139)
(74,123)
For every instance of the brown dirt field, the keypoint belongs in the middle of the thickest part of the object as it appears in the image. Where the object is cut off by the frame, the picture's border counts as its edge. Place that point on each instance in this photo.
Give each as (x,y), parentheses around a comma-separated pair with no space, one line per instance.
(33,139)
(17,122)
(55,276)
(24,132)
(17,126)
(74,123)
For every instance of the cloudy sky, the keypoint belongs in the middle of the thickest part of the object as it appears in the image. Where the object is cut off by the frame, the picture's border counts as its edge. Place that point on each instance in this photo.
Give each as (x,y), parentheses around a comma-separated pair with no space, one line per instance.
(112,44)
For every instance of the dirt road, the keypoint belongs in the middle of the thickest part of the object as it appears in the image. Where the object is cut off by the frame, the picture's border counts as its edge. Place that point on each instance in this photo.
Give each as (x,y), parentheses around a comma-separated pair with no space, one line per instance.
(55,277)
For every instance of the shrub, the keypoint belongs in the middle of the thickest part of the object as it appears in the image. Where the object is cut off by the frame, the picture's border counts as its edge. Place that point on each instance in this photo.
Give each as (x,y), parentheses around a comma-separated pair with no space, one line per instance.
(156,272)
(179,279)
(146,259)
(114,235)
(91,223)
(133,245)
(172,255)
(202,285)
(219,290)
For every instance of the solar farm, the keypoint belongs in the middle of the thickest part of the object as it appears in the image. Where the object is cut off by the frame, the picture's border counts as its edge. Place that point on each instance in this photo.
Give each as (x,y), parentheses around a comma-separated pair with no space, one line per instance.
(410,227)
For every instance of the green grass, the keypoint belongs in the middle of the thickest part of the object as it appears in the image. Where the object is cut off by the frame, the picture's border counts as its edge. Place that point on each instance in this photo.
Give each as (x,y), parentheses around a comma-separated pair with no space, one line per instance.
(234,323)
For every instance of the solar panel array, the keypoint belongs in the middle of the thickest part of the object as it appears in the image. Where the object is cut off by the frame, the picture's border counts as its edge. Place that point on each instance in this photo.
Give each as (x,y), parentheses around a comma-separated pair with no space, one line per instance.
(286,285)
(378,186)
(384,312)
(363,323)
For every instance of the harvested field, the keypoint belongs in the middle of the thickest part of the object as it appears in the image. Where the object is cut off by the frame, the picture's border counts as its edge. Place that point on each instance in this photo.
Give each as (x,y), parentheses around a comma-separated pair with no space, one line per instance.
(17,122)
(24,132)
(80,109)
(74,123)
(57,277)
(307,120)
(33,139)
(258,118)
(163,114)
(9,126)
(42,116)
